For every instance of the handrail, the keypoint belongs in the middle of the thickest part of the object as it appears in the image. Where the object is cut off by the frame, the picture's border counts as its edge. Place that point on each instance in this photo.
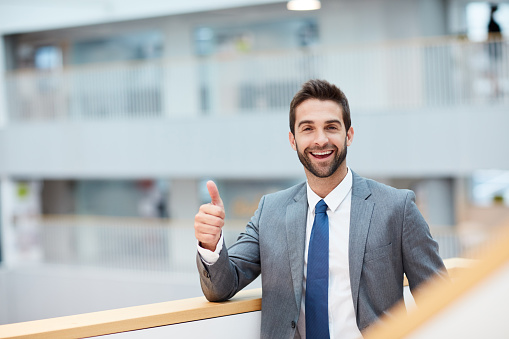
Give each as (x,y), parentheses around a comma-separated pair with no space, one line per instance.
(153,315)
(435,296)
(133,318)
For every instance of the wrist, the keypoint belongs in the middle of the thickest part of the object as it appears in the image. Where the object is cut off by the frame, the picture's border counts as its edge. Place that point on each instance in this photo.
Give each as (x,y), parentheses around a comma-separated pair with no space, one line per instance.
(210,247)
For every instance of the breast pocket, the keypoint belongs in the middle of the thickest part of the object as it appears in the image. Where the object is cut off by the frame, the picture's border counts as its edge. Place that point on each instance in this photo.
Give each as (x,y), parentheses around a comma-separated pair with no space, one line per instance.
(378,253)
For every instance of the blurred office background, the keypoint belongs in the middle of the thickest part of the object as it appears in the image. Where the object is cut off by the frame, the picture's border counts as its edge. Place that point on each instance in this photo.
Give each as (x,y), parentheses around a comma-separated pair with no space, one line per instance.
(113,114)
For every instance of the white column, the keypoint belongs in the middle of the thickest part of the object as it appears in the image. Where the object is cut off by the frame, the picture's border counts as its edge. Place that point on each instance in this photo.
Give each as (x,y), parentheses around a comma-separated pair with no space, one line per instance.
(3,114)
(184,199)
(3,98)
(439,201)
(8,245)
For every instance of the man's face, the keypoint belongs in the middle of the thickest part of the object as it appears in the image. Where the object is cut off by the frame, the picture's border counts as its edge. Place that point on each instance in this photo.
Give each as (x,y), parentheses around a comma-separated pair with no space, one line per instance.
(320,137)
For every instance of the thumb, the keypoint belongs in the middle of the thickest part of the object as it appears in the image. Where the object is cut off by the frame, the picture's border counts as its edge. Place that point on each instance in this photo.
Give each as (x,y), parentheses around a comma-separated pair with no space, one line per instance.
(214,193)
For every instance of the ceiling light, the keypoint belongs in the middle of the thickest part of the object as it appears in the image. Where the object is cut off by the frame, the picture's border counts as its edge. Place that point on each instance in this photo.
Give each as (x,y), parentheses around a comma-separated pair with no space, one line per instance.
(303,5)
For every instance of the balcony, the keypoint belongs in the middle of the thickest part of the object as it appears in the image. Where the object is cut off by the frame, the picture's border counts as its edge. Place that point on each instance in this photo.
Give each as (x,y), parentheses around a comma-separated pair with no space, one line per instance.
(393,76)
(119,119)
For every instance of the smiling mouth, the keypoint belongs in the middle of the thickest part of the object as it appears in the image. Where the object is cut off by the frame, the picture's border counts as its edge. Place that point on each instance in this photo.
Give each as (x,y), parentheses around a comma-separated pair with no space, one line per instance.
(321,155)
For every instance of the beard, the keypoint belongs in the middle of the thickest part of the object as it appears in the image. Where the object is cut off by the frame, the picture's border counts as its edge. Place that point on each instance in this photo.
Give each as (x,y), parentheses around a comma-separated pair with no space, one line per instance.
(322,171)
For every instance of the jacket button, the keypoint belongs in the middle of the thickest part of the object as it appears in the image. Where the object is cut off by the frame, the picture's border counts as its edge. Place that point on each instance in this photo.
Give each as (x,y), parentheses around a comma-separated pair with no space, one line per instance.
(293,324)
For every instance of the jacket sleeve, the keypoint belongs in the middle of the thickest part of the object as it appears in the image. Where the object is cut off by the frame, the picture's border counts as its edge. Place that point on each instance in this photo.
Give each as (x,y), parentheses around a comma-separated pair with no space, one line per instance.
(236,267)
(421,260)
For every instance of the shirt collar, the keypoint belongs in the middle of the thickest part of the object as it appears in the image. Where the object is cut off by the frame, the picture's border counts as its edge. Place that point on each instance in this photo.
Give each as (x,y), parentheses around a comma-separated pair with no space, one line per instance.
(335,197)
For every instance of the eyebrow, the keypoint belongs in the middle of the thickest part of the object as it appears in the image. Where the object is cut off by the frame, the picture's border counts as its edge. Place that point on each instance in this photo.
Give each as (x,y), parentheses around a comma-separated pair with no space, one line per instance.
(303,122)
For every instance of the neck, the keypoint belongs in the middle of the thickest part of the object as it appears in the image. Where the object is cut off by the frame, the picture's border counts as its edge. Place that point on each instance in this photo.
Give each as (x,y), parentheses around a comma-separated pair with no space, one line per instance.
(323,186)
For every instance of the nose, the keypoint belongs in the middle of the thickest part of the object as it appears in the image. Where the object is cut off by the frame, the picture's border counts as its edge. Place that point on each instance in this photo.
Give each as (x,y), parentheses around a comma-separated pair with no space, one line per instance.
(321,138)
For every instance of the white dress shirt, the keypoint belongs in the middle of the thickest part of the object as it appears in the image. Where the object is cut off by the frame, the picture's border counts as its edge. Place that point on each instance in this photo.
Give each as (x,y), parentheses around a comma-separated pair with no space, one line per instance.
(342,322)
(209,257)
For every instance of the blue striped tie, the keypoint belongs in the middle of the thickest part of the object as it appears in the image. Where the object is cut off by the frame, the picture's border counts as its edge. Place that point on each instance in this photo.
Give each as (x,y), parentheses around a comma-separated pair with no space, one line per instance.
(317,281)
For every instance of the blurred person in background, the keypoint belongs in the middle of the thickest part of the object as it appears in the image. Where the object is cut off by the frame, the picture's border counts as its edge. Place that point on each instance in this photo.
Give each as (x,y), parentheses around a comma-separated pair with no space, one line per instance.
(332,251)
(494,50)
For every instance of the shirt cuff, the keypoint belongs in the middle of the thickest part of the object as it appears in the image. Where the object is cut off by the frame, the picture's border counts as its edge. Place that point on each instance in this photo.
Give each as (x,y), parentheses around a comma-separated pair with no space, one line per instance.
(209,257)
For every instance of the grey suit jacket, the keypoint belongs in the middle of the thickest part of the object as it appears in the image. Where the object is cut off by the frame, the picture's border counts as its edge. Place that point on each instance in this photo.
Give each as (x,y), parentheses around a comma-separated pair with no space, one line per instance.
(388,237)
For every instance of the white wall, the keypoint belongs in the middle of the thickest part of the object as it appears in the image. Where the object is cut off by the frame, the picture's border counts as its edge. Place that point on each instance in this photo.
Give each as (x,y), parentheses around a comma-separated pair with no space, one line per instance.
(449,142)
(443,142)
(245,325)
(479,313)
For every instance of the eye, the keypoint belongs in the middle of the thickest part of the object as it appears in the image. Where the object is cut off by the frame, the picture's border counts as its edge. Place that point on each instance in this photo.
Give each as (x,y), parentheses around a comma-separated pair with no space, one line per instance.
(332,127)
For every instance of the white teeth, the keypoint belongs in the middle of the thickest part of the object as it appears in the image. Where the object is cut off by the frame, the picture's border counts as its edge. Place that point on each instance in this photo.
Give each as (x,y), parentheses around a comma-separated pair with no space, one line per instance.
(322,153)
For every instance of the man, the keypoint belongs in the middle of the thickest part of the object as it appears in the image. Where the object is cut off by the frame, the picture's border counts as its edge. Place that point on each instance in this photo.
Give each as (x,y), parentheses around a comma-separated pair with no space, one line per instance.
(372,235)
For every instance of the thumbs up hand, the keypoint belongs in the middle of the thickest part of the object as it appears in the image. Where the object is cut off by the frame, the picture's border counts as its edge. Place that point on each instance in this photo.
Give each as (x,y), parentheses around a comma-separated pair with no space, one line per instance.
(209,220)
(214,194)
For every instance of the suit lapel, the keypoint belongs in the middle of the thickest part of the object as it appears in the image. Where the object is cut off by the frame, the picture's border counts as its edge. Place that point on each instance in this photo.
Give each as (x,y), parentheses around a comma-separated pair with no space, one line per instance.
(360,219)
(296,216)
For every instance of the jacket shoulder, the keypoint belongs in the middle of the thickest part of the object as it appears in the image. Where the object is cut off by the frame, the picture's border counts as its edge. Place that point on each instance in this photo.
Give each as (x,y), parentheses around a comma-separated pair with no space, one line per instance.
(287,195)
(377,190)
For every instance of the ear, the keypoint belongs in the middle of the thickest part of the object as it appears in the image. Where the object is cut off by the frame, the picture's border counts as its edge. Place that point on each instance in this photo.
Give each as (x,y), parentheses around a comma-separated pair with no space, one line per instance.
(349,136)
(292,140)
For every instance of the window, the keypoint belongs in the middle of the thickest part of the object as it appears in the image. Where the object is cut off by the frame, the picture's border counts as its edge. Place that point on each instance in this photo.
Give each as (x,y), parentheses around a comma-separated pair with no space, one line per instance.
(490,187)
(478,17)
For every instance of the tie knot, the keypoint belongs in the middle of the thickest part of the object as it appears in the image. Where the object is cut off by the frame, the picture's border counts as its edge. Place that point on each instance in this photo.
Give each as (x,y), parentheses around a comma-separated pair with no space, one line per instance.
(321,207)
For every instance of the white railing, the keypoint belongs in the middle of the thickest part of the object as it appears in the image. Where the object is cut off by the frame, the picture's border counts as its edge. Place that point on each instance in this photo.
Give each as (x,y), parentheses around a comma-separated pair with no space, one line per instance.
(120,243)
(401,75)
(461,243)
(118,90)
(153,245)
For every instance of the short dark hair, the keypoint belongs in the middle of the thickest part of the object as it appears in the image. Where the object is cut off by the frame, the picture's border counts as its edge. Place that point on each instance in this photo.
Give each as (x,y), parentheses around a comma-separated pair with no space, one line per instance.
(321,90)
